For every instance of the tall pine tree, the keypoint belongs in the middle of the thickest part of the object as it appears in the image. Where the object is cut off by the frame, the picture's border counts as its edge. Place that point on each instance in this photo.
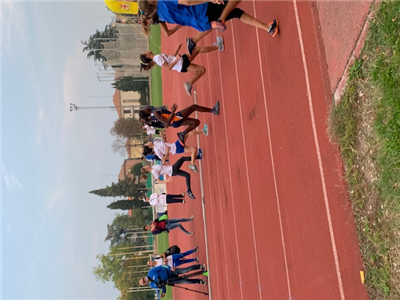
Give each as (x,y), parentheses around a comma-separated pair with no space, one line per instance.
(127,204)
(123,188)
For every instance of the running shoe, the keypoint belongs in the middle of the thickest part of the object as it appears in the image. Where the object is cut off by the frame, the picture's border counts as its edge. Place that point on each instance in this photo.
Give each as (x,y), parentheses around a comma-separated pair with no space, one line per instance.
(189,233)
(190,45)
(190,194)
(188,88)
(205,273)
(204,282)
(215,109)
(220,43)
(273,28)
(183,201)
(199,154)
(191,218)
(205,129)
(203,267)
(197,259)
(181,137)
(193,168)
(196,250)
(218,25)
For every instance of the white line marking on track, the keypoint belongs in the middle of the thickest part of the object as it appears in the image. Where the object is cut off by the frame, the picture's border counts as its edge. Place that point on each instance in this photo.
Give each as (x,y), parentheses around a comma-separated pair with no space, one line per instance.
(272,160)
(246,164)
(321,170)
(230,181)
(221,215)
(203,207)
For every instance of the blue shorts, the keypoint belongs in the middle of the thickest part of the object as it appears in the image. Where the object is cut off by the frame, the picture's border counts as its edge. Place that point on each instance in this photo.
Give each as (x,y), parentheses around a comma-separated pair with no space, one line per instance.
(179,147)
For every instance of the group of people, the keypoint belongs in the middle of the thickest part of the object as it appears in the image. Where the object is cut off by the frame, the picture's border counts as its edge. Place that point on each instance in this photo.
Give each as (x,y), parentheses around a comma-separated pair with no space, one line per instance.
(202,15)
(163,271)
(163,118)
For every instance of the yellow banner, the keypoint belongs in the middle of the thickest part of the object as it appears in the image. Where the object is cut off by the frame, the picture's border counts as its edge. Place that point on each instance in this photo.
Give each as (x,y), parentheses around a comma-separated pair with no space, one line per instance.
(122,7)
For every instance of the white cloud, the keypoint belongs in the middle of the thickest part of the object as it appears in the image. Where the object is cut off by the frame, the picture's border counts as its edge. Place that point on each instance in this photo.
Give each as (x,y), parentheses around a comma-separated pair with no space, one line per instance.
(40,114)
(14,20)
(10,180)
(55,197)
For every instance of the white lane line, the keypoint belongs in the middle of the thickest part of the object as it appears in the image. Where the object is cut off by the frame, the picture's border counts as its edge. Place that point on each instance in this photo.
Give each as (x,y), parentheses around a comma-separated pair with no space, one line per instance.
(230,181)
(278,204)
(203,207)
(246,165)
(321,170)
(226,263)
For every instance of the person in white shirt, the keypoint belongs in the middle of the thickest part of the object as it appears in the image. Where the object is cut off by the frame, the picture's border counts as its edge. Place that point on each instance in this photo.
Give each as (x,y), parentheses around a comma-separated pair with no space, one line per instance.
(180,63)
(150,130)
(156,199)
(162,149)
(168,172)
(174,260)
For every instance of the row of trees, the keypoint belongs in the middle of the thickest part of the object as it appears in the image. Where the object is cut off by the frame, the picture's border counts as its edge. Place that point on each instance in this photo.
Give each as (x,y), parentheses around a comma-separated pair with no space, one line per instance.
(117,266)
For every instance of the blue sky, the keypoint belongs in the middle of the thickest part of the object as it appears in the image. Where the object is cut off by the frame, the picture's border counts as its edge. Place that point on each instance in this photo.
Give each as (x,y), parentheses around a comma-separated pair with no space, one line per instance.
(51,228)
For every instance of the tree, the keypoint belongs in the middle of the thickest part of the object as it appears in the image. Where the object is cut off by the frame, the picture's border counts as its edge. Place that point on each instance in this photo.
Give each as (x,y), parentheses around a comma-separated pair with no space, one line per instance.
(94,44)
(127,128)
(135,170)
(127,204)
(130,83)
(139,218)
(123,145)
(123,188)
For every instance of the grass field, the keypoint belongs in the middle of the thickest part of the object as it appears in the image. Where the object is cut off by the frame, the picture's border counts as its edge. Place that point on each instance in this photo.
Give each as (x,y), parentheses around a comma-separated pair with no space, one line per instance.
(162,246)
(156,100)
(155,73)
(366,124)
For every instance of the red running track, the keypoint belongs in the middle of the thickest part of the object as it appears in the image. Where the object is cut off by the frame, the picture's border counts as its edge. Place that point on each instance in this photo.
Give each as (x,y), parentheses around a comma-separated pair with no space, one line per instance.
(278,218)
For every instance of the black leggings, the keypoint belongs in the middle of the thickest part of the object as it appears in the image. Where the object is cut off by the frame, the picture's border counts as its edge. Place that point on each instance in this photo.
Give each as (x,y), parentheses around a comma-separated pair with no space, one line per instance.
(214,11)
(176,171)
(174,198)
(176,279)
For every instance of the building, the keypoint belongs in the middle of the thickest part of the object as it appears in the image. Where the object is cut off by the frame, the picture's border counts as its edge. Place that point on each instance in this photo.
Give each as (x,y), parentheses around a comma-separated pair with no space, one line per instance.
(123,54)
(127,104)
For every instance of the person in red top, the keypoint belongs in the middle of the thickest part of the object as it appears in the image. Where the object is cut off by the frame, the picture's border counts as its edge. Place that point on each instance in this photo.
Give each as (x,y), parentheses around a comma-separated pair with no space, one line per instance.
(156,227)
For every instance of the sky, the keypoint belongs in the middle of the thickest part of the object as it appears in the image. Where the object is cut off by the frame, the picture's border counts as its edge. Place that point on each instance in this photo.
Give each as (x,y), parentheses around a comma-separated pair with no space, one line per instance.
(51,227)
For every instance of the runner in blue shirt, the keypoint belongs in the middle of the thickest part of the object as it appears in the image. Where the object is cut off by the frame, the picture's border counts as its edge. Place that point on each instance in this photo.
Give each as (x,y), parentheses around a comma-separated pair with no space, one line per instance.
(202,15)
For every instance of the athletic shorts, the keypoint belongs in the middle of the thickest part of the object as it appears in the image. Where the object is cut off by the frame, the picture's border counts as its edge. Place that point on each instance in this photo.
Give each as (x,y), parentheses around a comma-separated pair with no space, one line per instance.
(185,63)
(179,147)
(177,123)
(214,11)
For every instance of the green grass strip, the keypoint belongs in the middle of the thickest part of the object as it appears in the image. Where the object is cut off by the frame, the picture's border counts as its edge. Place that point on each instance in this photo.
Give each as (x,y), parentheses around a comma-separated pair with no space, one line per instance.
(366,125)
(155,73)
(156,100)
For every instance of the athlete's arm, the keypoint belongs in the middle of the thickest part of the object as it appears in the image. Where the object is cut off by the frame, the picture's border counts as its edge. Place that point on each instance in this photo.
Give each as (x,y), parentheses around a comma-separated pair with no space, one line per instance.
(177,49)
(167,31)
(160,118)
(169,67)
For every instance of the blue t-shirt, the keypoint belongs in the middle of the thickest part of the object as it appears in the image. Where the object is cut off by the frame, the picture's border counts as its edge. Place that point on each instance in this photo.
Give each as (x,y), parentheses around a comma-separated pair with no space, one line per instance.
(186,15)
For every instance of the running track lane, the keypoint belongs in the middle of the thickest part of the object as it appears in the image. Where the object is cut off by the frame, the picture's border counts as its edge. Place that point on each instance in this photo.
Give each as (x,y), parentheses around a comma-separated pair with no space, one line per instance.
(266,184)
